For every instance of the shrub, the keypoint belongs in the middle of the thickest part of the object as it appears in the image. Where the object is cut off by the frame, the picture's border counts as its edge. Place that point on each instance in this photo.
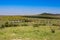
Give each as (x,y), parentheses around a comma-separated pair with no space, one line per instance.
(9,25)
(24,24)
(15,25)
(52,30)
(6,24)
(35,25)
(56,24)
(2,26)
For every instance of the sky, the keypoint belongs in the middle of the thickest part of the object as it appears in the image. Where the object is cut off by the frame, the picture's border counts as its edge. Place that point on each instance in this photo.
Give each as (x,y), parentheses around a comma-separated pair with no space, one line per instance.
(29,7)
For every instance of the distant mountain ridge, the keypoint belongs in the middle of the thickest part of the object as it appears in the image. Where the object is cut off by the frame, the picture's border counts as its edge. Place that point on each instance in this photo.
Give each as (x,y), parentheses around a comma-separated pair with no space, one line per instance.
(49,14)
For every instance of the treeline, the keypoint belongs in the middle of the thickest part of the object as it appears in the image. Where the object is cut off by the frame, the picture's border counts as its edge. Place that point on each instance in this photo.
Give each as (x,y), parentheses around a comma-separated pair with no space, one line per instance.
(45,17)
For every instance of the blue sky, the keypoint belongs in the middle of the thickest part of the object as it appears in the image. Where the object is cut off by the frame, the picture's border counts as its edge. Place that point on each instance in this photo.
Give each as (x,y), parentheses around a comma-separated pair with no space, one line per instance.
(28,7)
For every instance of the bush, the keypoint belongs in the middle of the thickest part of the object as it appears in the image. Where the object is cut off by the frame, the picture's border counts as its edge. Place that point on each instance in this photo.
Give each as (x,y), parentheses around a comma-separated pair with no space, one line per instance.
(8,25)
(2,26)
(52,30)
(56,24)
(24,24)
(42,24)
(15,25)
(35,25)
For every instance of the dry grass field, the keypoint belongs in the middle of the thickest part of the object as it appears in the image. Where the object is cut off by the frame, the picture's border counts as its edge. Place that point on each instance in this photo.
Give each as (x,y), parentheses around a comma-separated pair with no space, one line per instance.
(24,28)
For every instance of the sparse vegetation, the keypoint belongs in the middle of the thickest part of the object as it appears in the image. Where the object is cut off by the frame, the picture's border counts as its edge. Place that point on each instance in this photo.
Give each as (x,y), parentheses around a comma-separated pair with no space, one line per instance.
(29,28)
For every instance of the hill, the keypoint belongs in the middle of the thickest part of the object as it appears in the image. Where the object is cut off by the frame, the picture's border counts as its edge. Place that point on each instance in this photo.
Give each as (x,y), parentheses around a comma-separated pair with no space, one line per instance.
(46,16)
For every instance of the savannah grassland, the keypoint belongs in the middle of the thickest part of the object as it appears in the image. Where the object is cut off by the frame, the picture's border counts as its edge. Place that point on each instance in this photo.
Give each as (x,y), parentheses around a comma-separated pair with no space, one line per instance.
(34,29)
